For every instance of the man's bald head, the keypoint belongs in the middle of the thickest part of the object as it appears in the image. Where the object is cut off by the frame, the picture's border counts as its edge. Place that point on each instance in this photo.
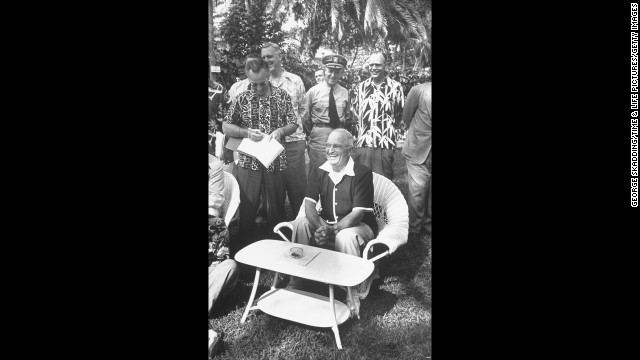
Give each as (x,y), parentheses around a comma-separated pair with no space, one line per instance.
(377,65)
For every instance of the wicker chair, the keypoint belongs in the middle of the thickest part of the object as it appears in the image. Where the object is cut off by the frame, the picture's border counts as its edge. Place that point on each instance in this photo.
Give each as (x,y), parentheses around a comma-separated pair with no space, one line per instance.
(231,198)
(392,216)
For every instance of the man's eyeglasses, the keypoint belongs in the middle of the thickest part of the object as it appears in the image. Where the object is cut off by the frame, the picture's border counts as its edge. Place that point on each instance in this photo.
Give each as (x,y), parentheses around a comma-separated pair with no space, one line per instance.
(336,146)
(259,85)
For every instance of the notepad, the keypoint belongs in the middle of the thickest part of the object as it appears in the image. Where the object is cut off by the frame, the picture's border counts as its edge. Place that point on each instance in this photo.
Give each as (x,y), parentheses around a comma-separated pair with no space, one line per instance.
(265,150)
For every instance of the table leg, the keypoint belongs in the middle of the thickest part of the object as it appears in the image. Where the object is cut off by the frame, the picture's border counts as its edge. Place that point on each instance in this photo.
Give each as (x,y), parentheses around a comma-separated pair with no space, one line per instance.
(253,295)
(275,279)
(333,317)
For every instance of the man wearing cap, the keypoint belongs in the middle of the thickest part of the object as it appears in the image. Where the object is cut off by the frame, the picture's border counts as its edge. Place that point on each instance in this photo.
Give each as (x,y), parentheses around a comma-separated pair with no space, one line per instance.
(327,108)
(295,175)
(378,108)
(262,110)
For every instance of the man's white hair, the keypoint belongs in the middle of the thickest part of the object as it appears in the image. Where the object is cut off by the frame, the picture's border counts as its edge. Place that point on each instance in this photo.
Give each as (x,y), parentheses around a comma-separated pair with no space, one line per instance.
(349,138)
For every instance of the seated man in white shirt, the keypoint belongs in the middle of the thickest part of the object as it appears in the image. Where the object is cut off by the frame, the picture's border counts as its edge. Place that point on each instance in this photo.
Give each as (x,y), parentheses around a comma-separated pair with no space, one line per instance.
(345,191)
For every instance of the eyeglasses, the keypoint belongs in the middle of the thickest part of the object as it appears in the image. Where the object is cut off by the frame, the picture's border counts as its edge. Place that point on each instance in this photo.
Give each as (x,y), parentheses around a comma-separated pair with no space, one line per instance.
(337,147)
(259,85)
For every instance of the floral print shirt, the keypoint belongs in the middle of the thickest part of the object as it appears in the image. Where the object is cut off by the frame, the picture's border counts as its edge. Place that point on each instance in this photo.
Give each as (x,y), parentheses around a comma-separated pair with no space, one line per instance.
(379,111)
(248,110)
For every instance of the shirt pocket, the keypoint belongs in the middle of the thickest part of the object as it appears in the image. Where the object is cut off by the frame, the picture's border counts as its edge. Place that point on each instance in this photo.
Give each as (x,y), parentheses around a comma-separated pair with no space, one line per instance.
(340,106)
(320,106)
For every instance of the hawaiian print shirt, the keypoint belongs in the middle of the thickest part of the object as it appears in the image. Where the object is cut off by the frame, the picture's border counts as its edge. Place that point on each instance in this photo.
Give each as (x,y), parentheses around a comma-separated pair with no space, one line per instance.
(379,111)
(250,111)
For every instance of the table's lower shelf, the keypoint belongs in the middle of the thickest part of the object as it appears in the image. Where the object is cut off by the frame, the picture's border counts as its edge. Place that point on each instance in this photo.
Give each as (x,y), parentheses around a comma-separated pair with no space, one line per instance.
(302,307)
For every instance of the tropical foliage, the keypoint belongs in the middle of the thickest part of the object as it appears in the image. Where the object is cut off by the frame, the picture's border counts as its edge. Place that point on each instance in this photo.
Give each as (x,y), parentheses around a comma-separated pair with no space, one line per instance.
(245,28)
(399,28)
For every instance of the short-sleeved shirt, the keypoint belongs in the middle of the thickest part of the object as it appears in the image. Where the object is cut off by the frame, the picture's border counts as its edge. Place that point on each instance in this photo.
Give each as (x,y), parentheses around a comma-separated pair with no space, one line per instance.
(317,104)
(293,85)
(378,109)
(250,111)
(353,191)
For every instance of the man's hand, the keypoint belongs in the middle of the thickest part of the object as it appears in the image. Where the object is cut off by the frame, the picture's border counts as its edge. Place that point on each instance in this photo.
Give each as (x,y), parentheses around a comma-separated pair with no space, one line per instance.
(324,234)
(277,135)
(255,135)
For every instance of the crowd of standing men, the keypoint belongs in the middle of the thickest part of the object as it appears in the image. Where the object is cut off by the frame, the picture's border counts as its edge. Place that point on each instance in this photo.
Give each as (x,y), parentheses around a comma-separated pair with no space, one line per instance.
(272,102)
(280,108)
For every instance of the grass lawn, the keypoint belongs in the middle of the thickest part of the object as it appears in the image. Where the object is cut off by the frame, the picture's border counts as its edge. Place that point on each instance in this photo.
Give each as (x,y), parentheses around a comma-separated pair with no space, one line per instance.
(395,319)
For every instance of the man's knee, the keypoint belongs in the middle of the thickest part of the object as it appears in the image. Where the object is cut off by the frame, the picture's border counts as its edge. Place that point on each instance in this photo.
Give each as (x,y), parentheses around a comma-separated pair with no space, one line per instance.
(347,237)
(303,231)
(227,268)
(301,222)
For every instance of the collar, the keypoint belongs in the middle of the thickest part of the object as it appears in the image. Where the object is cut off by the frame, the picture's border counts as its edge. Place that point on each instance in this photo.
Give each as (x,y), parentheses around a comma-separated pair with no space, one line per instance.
(326,86)
(337,176)
(285,75)
(369,82)
(251,94)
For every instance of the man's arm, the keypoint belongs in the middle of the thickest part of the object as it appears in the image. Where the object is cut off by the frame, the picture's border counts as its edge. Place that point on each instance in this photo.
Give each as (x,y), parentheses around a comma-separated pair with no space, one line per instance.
(230,127)
(350,220)
(312,214)
(305,116)
(288,118)
(410,105)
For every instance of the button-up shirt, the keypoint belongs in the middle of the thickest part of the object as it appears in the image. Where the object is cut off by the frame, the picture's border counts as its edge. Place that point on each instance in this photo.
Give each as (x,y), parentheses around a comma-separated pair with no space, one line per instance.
(342,192)
(293,85)
(316,108)
(250,111)
(379,110)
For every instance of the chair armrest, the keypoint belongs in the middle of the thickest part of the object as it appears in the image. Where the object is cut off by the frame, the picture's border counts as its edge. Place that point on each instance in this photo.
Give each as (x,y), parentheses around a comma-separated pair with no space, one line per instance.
(276,229)
(390,237)
(369,247)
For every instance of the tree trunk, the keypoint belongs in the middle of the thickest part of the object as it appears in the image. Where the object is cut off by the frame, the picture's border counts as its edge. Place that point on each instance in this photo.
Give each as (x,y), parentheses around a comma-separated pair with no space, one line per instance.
(355,56)
(404,56)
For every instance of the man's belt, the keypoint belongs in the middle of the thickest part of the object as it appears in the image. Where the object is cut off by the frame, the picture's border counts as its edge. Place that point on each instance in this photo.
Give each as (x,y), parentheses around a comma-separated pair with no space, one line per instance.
(321,125)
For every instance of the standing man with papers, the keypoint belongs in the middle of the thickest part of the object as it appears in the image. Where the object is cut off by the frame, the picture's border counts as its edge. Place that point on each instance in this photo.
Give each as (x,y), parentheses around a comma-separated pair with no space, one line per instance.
(261,110)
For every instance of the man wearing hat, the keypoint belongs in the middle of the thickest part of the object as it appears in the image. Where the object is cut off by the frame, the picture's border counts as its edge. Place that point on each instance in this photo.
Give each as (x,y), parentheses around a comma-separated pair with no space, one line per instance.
(327,108)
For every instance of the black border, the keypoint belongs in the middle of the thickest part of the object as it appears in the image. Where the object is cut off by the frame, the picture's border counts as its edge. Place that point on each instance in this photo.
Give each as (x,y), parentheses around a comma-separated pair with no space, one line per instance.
(533,233)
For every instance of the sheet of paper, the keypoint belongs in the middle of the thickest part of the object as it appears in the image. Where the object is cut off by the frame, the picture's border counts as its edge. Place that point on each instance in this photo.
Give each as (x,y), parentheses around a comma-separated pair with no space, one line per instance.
(264,150)
(307,256)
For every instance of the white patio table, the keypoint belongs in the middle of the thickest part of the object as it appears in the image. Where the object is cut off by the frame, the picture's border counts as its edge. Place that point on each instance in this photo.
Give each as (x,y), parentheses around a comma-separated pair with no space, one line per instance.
(317,264)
